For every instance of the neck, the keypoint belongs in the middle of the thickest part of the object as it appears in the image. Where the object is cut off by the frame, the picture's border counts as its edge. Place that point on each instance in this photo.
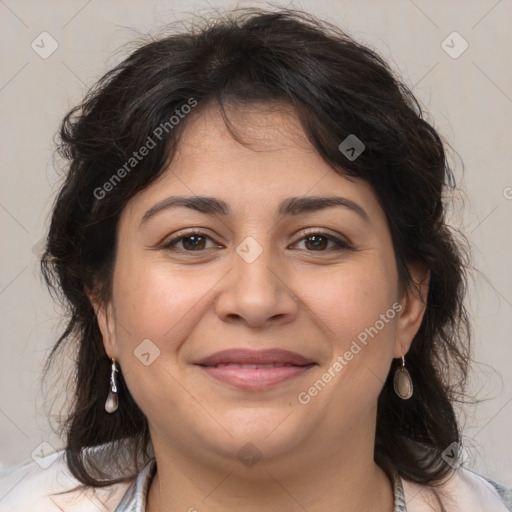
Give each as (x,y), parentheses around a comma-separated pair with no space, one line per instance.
(317,479)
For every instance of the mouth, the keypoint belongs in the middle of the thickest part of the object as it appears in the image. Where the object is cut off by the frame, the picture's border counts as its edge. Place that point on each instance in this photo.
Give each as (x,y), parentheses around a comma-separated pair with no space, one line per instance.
(255,370)
(251,366)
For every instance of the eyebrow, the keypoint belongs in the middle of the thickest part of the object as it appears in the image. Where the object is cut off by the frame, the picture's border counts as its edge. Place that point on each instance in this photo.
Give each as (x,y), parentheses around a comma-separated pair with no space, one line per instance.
(289,207)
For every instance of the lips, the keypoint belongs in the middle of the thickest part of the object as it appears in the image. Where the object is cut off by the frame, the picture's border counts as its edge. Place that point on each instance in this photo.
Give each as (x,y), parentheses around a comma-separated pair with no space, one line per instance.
(256,358)
(252,370)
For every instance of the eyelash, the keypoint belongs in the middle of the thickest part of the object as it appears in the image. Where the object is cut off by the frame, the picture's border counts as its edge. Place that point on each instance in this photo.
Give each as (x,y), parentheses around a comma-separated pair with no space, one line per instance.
(342,245)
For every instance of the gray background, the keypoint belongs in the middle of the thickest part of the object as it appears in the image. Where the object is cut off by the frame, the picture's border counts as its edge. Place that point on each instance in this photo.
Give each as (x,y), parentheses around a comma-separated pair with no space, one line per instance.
(469,100)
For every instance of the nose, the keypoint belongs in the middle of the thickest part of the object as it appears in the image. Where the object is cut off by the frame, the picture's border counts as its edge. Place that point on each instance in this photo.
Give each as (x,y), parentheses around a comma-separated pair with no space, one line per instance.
(257,292)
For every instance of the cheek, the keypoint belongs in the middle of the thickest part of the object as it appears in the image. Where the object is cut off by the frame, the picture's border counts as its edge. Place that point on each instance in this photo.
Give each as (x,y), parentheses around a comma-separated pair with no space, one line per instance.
(157,308)
(155,300)
(352,299)
(358,311)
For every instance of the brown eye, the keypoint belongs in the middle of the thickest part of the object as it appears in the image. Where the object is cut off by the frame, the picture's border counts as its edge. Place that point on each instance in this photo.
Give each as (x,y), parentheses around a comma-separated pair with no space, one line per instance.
(194,242)
(318,242)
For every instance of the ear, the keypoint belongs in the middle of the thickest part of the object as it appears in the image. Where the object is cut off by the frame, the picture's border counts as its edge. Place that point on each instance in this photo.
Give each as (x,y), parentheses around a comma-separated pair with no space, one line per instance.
(414,304)
(105,315)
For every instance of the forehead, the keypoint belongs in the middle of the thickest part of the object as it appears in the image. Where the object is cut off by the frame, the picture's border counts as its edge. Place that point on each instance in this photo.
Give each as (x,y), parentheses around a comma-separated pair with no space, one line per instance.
(267,159)
(259,127)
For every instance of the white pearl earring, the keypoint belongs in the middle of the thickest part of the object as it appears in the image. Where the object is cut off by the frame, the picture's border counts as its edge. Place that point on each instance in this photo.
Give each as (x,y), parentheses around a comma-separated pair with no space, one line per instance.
(112,402)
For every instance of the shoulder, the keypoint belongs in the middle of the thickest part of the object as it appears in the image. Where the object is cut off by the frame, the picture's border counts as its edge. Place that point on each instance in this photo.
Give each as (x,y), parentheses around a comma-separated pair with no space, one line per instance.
(48,486)
(505,493)
(464,490)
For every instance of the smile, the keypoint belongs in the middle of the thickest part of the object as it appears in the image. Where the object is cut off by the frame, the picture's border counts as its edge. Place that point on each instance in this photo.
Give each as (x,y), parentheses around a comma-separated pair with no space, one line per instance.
(254,377)
(251,366)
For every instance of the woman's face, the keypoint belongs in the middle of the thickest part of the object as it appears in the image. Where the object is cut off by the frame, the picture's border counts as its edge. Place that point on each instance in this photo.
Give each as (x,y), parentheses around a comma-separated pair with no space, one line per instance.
(265,274)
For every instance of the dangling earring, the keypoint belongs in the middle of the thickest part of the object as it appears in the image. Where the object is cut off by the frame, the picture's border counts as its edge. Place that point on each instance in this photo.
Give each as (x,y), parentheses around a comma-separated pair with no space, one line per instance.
(112,402)
(403,382)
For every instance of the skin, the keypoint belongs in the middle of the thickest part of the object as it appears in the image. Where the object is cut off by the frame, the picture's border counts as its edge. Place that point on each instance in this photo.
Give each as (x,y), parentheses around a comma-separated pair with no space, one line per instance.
(294,295)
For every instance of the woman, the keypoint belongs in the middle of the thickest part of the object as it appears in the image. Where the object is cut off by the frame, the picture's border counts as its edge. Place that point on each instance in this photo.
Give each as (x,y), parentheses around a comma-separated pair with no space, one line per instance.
(266,301)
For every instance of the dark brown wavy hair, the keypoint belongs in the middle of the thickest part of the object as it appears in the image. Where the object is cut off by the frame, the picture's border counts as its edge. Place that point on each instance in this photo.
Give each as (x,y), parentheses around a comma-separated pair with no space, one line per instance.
(337,87)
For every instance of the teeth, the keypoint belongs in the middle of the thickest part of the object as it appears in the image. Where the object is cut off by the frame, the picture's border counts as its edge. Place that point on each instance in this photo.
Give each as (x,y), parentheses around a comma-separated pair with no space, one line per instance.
(253,366)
